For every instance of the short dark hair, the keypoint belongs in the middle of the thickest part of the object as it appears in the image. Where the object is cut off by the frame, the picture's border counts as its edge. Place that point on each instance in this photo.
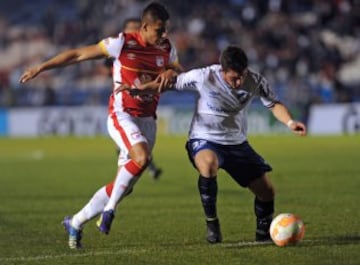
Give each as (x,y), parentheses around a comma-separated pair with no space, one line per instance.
(155,11)
(130,20)
(234,58)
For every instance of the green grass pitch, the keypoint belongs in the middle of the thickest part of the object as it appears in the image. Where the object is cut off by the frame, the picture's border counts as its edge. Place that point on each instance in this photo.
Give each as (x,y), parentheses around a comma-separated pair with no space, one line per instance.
(42,180)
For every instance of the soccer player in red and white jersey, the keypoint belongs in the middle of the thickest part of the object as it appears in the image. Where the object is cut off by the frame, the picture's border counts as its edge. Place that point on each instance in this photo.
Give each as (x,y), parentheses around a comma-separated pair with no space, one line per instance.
(139,57)
(133,25)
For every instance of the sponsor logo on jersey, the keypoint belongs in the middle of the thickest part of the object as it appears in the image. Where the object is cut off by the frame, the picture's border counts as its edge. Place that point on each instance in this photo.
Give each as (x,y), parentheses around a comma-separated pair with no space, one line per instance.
(214,94)
(159,60)
(221,109)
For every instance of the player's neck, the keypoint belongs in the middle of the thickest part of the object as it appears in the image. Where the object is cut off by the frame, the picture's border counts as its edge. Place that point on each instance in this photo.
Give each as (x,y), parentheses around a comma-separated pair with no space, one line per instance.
(142,39)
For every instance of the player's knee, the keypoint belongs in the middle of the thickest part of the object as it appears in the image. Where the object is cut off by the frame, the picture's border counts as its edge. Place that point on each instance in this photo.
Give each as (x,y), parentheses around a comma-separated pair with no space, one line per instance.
(142,159)
(207,165)
(207,169)
(140,155)
(267,193)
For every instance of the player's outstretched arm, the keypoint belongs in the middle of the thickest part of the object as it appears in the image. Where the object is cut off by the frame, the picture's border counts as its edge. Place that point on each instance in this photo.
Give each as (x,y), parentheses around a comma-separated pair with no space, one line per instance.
(167,78)
(148,88)
(63,59)
(283,115)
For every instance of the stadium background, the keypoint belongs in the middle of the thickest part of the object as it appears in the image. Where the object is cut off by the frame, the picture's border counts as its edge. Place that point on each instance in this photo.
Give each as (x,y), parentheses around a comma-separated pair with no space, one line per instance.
(308,50)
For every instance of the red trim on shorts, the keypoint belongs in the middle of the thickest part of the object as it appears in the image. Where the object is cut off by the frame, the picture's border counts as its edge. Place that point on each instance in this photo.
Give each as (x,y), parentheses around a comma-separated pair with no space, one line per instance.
(121,131)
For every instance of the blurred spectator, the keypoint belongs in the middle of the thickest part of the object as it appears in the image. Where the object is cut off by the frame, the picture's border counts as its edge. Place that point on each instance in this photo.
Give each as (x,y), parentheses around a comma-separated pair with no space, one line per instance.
(309,50)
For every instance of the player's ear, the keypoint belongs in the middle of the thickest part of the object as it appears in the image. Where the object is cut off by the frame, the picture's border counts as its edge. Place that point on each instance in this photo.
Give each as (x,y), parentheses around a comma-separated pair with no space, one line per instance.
(144,26)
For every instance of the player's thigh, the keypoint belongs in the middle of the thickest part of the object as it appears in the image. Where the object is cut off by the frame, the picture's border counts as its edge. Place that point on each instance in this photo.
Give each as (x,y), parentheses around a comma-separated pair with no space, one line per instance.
(244,164)
(204,156)
(128,133)
(206,162)
(148,128)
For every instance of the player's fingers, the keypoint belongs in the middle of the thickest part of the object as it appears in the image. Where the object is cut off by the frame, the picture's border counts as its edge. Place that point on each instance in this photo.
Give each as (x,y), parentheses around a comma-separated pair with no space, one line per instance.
(121,88)
(162,83)
(25,77)
(29,74)
(300,129)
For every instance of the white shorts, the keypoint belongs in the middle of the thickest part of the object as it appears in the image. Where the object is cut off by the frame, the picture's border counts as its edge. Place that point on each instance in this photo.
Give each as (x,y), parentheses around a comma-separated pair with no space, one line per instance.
(128,131)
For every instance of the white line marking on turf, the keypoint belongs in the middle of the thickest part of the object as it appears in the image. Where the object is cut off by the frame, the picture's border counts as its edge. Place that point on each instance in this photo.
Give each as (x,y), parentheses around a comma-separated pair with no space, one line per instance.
(246,244)
(88,254)
(255,243)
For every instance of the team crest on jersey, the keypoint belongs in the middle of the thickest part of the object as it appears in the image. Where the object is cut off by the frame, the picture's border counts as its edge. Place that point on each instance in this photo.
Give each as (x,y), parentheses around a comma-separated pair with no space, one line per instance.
(242,96)
(131,56)
(159,61)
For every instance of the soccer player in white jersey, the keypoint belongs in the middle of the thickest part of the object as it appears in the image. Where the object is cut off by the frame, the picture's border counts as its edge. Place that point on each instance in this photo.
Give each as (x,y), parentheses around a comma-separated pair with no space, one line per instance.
(139,57)
(218,134)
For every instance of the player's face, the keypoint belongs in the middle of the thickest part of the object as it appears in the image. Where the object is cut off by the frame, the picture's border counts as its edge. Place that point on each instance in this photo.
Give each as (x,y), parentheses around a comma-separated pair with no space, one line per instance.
(155,32)
(234,79)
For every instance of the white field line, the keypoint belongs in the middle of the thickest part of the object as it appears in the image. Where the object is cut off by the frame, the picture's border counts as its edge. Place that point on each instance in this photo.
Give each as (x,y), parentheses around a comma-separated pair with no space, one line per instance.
(255,243)
(75,255)
(246,244)
(126,251)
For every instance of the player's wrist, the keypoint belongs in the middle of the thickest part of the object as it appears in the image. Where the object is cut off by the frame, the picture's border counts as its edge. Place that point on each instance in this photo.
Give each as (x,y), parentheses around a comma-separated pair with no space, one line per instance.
(290,123)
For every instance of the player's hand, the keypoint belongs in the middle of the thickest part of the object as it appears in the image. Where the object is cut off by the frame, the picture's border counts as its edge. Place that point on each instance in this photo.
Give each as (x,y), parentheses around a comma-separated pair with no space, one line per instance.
(166,79)
(121,87)
(297,127)
(142,89)
(30,74)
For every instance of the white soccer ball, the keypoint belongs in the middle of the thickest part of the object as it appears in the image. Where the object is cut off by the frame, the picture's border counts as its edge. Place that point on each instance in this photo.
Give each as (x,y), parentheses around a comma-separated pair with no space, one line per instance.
(287,229)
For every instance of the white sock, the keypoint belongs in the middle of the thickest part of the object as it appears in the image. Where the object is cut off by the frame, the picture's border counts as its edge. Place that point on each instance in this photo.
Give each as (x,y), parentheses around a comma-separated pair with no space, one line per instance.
(91,209)
(124,181)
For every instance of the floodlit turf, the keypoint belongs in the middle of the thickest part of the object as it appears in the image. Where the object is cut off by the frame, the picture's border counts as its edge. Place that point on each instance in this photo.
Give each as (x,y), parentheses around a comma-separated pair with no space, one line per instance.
(42,180)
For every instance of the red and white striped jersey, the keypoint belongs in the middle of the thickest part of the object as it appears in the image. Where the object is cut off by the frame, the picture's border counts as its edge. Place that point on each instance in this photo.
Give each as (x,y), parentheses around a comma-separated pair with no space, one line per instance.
(135,63)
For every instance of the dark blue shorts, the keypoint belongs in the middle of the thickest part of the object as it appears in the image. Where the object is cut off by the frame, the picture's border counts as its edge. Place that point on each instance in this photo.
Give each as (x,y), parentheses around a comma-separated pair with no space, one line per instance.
(240,161)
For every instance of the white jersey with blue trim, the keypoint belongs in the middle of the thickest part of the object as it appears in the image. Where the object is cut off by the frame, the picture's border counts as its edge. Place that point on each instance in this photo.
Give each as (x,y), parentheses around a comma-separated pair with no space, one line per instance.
(220,114)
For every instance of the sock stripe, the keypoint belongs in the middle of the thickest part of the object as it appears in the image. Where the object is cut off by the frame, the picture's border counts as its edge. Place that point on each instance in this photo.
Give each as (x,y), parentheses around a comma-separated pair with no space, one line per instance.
(133,168)
(109,187)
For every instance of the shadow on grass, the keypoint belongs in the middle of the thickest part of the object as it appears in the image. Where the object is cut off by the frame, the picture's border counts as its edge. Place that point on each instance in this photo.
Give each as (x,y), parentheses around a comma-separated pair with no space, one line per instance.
(331,240)
(318,241)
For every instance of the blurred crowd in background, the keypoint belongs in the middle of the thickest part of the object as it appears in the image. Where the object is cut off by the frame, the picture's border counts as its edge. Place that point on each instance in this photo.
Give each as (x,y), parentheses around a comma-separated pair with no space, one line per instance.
(309,50)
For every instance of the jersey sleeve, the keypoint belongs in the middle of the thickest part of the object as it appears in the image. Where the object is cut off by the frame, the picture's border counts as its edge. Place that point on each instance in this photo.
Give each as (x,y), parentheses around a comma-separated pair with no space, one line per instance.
(112,46)
(191,80)
(267,95)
